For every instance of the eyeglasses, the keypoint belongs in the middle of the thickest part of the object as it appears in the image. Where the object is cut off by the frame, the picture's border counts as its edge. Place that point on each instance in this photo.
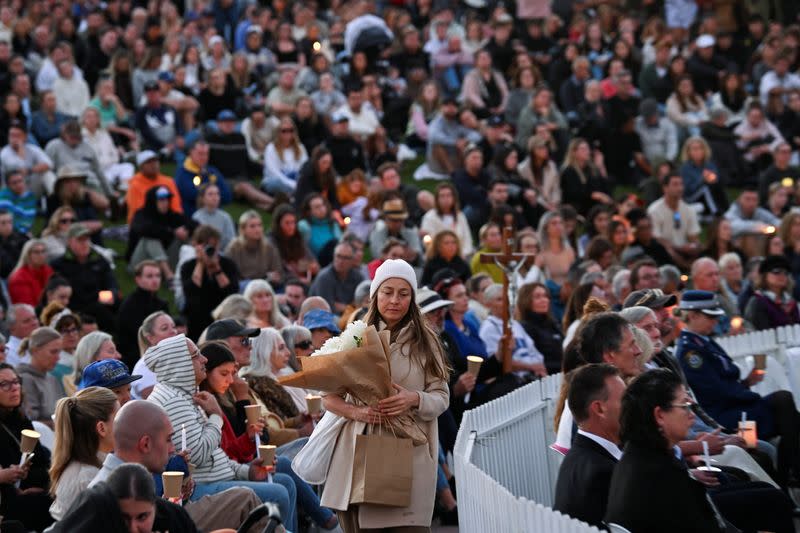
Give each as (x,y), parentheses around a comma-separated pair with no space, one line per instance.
(246,341)
(686,406)
(70,331)
(8,385)
(195,354)
(66,220)
(304,345)
(287,130)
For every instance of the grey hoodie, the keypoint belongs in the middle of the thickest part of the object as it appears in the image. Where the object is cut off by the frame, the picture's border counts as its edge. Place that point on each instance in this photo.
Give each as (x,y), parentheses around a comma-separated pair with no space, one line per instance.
(170,361)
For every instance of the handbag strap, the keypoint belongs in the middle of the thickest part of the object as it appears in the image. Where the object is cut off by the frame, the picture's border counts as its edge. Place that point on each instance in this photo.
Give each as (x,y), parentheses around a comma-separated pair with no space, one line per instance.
(19,444)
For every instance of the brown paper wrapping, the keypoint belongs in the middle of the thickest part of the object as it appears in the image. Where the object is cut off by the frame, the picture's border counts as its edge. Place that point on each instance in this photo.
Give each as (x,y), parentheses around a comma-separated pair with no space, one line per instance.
(364,373)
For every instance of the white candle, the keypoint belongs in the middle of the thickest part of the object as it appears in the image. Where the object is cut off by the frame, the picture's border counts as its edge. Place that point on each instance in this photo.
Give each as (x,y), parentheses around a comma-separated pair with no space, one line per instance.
(744,416)
(183,437)
(258,443)
(706,457)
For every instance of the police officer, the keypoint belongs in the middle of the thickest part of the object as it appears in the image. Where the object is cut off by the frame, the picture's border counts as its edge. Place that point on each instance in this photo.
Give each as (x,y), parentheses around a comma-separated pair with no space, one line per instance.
(716,382)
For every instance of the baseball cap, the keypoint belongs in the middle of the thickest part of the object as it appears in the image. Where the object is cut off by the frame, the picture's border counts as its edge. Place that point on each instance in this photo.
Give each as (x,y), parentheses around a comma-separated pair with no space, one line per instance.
(166,75)
(705,41)
(226,114)
(151,86)
(77,230)
(222,329)
(339,116)
(321,319)
(163,192)
(108,373)
(145,156)
(652,298)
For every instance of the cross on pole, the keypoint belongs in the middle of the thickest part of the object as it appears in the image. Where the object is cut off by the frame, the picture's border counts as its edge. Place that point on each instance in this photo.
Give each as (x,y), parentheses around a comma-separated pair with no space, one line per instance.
(510,263)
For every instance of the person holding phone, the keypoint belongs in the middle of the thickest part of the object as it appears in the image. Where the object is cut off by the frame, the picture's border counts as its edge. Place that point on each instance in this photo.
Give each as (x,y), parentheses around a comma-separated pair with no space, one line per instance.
(207,279)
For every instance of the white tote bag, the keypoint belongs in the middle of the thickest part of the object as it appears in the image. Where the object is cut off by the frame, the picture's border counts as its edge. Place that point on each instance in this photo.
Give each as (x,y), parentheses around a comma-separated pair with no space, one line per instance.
(313,461)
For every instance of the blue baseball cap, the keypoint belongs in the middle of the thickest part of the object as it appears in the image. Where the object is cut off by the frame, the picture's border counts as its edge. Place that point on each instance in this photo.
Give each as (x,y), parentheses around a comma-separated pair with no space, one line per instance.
(226,114)
(108,373)
(321,319)
(166,75)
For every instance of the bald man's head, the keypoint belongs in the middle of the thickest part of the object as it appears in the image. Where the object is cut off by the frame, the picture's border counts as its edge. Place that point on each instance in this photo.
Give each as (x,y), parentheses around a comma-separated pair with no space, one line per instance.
(143,434)
(705,274)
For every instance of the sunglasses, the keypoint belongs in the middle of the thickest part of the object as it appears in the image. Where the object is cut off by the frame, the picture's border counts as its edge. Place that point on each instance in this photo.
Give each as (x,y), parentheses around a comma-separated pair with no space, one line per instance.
(676,220)
(70,331)
(778,271)
(287,130)
(246,341)
(304,345)
(66,220)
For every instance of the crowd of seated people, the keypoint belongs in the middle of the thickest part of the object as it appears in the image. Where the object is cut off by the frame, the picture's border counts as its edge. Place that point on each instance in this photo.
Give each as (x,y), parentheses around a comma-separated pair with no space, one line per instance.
(195,196)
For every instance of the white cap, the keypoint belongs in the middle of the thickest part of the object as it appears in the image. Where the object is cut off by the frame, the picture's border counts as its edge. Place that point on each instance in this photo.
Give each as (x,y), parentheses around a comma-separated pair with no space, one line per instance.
(393,268)
(214,40)
(145,156)
(705,41)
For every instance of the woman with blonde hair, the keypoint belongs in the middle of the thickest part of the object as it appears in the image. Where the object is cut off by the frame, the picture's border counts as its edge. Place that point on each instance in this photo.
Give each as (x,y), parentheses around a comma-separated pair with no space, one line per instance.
(40,389)
(283,158)
(556,255)
(420,372)
(700,175)
(27,281)
(268,357)
(234,306)
(54,234)
(84,426)
(68,324)
(252,253)
(95,346)
(584,180)
(266,313)
(155,328)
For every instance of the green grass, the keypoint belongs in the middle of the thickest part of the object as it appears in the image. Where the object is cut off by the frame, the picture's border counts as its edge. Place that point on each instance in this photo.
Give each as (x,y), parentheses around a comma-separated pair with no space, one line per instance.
(235,209)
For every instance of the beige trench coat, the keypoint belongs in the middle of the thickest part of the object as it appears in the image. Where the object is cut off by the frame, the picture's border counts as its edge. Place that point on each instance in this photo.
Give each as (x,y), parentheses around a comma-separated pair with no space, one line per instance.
(434,399)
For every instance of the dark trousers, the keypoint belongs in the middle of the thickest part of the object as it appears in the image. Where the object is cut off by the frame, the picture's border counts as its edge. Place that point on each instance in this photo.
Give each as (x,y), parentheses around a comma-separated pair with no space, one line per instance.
(787,426)
(754,507)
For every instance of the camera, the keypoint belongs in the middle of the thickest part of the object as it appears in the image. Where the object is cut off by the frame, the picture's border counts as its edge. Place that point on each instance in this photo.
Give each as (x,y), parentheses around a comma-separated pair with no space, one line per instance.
(210,251)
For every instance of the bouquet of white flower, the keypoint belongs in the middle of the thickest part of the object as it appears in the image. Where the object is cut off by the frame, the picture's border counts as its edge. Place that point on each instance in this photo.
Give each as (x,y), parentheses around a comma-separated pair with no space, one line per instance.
(351,337)
(355,363)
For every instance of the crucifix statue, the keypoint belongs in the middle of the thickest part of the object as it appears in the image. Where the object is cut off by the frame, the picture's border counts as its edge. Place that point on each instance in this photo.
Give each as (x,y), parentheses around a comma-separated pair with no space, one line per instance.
(510,263)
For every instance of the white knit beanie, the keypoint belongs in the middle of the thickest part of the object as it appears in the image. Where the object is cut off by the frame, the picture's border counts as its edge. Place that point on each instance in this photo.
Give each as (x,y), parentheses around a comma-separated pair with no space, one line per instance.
(393,268)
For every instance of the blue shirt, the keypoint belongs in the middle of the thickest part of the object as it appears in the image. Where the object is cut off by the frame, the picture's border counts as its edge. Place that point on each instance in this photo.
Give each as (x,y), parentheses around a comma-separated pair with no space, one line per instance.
(469,342)
(22,207)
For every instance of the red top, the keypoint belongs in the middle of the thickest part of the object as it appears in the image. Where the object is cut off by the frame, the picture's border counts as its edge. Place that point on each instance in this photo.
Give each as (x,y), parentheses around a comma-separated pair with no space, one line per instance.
(26,284)
(241,449)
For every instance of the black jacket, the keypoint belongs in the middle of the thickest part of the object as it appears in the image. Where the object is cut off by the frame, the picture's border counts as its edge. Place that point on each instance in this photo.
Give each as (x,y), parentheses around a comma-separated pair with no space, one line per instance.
(347,154)
(229,155)
(200,301)
(437,263)
(10,250)
(148,222)
(547,335)
(583,481)
(651,492)
(87,280)
(132,312)
(725,153)
(307,184)
(31,509)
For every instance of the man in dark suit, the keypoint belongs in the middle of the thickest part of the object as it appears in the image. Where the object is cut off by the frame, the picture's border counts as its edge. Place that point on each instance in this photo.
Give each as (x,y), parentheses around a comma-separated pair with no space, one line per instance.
(595,398)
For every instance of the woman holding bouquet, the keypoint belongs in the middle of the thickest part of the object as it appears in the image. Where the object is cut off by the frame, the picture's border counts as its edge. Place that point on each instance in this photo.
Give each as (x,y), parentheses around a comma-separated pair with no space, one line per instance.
(419,376)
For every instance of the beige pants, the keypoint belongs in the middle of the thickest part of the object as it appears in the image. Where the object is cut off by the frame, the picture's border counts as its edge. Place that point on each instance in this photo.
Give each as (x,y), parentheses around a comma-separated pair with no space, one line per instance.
(348,521)
(226,509)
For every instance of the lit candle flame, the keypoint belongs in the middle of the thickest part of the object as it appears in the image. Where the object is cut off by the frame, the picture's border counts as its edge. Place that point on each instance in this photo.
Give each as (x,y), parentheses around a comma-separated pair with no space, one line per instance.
(769,230)
(736,322)
(787,182)
(316,46)
(684,278)
(347,220)
(427,240)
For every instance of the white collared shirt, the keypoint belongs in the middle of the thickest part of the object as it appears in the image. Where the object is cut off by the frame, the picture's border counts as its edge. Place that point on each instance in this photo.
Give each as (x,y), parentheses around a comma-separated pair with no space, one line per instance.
(609,446)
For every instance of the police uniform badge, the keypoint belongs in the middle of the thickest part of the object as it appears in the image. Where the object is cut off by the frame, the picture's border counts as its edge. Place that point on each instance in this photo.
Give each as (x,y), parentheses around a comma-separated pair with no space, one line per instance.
(693,359)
